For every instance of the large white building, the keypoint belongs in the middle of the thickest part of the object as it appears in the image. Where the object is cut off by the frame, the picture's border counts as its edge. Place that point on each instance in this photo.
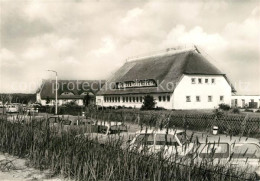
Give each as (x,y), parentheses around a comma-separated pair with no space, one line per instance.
(182,80)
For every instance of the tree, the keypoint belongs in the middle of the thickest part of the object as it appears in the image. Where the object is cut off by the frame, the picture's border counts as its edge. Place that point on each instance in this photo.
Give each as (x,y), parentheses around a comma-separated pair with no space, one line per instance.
(149,103)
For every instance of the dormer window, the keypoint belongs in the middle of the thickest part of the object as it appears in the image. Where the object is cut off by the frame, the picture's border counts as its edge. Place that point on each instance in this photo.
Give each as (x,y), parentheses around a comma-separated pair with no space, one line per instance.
(193,80)
(213,81)
(206,81)
(200,81)
(67,93)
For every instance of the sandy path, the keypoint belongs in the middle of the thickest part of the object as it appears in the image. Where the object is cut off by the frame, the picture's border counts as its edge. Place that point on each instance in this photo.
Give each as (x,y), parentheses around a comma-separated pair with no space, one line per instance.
(15,169)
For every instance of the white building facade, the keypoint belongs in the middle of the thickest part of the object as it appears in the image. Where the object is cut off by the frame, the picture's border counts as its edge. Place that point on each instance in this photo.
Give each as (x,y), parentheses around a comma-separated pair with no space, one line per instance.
(184,80)
(246,101)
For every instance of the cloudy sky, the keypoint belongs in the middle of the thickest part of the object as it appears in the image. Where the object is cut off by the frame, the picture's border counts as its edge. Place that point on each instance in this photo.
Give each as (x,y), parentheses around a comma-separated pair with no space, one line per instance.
(91,39)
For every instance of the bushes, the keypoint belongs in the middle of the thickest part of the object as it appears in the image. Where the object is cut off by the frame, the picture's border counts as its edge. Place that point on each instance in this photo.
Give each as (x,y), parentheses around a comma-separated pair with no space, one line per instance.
(249,110)
(224,107)
(149,103)
(236,110)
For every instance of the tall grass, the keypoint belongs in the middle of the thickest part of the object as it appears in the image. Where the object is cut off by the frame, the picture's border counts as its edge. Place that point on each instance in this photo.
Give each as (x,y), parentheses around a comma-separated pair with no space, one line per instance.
(83,159)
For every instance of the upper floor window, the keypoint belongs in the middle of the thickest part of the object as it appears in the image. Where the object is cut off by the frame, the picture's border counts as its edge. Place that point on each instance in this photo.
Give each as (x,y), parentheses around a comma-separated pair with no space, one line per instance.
(200,81)
(209,98)
(118,99)
(130,99)
(67,93)
(206,81)
(126,99)
(188,99)
(123,99)
(198,98)
(133,99)
(221,98)
(213,81)
(141,99)
(137,99)
(193,80)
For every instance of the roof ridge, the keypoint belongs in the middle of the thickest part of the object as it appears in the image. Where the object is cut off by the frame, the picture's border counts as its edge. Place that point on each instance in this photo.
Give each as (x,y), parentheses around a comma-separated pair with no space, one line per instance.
(167,54)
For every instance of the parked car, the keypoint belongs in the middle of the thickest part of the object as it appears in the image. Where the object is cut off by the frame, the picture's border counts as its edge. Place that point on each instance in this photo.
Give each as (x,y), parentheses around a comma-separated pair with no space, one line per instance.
(239,152)
(33,108)
(104,132)
(68,122)
(12,108)
(169,142)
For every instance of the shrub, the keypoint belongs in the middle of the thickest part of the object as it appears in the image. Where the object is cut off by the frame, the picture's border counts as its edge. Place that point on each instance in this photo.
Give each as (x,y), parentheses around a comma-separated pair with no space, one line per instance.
(148,103)
(218,113)
(236,110)
(159,108)
(258,111)
(249,110)
(224,107)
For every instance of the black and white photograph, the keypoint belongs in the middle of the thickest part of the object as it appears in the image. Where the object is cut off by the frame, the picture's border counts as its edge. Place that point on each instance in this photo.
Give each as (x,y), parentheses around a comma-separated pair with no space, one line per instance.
(129,90)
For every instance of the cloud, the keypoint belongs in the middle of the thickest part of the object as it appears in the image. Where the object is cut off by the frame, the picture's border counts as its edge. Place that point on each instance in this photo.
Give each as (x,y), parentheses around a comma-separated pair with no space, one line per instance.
(90,40)
(108,46)
(71,61)
(196,36)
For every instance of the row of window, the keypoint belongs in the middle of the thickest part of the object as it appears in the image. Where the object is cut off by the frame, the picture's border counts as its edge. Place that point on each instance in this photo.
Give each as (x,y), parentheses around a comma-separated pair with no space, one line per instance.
(198,99)
(135,99)
(164,98)
(124,99)
(200,80)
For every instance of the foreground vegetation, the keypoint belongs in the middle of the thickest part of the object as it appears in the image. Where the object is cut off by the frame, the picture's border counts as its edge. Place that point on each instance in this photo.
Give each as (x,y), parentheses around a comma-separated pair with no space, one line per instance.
(83,159)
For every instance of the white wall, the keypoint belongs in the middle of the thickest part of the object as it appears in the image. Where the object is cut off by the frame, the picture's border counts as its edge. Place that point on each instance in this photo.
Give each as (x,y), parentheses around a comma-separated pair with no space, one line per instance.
(183,89)
(247,99)
(186,88)
(165,104)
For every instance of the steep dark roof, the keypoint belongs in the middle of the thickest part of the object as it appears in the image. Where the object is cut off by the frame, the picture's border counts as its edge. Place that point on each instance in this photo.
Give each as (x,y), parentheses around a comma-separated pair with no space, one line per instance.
(162,69)
(76,87)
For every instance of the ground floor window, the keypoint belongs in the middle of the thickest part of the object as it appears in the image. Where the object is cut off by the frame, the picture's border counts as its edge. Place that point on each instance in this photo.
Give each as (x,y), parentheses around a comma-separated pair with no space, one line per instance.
(198,98)
(209,98)
(168,98)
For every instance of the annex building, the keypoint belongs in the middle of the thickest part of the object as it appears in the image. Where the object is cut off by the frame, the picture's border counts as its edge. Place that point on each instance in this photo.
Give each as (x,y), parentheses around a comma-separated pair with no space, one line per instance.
(176,80)
(68,91)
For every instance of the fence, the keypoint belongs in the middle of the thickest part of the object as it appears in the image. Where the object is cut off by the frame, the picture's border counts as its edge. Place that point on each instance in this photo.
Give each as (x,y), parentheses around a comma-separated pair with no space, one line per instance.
(230,124)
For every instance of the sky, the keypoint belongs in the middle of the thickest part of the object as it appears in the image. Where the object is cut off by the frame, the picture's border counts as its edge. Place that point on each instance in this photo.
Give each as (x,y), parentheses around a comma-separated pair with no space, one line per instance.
(91,39)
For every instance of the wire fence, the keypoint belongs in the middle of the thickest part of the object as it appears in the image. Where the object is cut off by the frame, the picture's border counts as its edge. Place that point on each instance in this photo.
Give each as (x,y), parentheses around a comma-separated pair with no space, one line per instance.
(241,125)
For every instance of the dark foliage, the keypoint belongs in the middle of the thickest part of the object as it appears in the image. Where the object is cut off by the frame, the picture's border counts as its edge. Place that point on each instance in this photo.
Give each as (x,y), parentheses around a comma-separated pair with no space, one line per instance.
(236,110)
(224,107)
(149,103)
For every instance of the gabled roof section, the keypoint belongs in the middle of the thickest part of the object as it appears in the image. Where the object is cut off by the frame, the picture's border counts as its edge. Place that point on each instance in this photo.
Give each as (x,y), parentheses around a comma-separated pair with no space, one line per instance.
(163,69)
